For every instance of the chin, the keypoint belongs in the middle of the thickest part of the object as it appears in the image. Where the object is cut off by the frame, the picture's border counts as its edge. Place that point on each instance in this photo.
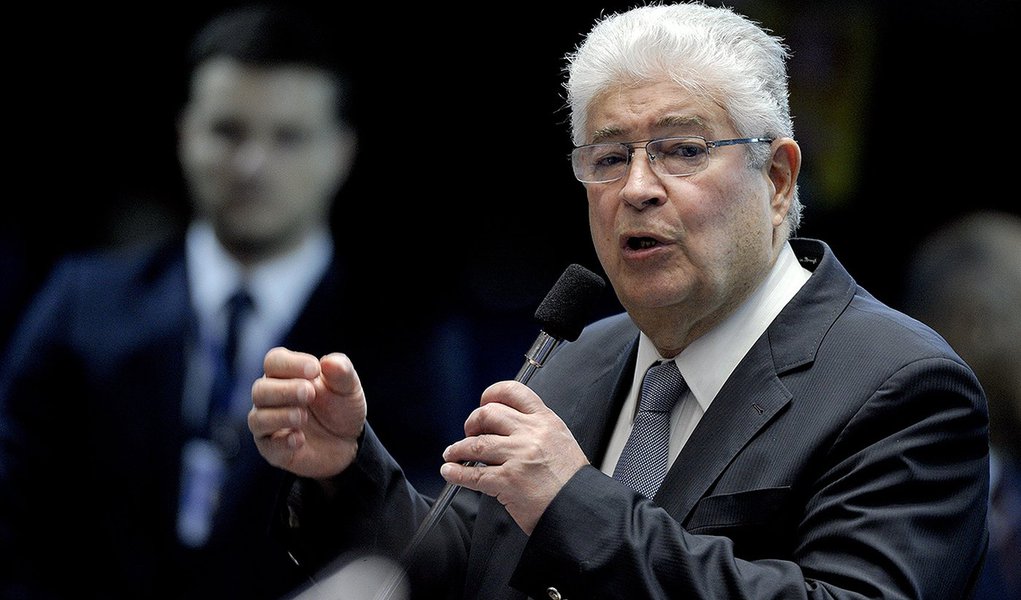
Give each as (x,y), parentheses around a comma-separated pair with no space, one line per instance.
(646,297)
(655,289)
(250,224)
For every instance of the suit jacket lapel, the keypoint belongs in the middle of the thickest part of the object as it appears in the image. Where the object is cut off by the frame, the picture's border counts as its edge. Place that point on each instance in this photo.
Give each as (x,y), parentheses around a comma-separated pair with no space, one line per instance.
(751,397)
(161,296)
(754,393)
(607,377)
(153,357)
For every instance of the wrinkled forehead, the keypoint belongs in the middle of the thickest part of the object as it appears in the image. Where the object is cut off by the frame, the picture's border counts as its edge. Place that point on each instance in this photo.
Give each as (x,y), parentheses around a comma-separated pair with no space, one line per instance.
(652,109)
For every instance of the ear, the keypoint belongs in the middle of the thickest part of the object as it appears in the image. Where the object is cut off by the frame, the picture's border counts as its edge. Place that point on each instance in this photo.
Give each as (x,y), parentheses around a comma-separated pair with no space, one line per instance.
(784,167)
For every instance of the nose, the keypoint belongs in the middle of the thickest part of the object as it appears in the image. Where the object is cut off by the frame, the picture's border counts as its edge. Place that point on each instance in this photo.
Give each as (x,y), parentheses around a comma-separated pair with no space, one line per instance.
(250,158)
(642,186)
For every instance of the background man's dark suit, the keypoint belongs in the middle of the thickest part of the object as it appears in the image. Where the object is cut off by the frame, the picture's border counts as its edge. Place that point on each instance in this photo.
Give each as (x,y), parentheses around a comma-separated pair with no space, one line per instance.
(94,484)
(847,425)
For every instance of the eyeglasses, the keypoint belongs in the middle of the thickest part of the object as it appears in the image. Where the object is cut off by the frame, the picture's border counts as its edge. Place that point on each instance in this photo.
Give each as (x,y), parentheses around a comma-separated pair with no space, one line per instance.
(676,156)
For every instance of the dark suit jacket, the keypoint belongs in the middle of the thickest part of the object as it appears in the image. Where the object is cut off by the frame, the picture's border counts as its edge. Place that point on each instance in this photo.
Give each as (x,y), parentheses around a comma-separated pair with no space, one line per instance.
(846,456)
(91,433)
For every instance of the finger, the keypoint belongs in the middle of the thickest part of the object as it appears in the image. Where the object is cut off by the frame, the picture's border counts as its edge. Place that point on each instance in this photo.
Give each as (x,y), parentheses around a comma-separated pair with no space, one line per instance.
(282,448)
(280,362)
(266,422)
(473,477)
(502,409)
(268,392)
(474,449)
(492,417)
(514,394)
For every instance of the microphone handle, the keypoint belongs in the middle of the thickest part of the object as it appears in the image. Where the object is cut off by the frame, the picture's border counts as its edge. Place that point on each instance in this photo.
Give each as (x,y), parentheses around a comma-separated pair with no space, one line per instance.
(541,350)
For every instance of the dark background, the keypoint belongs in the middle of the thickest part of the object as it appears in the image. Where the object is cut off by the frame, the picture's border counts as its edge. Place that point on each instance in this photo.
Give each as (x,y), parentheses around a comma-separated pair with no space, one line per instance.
(462,196)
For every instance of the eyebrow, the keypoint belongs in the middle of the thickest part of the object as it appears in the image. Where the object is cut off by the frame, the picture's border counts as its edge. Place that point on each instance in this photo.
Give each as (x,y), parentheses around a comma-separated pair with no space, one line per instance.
(690,122)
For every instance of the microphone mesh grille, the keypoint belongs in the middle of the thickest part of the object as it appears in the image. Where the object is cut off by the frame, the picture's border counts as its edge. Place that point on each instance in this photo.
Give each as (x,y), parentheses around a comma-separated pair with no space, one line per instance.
(565,310)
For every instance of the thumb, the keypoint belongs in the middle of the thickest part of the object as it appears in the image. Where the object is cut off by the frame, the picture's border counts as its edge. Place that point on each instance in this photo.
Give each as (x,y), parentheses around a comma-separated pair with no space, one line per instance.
(339,375)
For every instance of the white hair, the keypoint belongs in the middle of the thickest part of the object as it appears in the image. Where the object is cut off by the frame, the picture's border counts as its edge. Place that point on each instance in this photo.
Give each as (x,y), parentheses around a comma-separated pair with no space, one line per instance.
(713,53)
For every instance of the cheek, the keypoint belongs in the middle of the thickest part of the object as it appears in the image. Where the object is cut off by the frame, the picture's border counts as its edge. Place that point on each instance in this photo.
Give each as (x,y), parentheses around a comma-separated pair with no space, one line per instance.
(705,213)
(601,215)
(721,222)
(326,176)
(739,205)
(203,160)
(313,171)
(747,227)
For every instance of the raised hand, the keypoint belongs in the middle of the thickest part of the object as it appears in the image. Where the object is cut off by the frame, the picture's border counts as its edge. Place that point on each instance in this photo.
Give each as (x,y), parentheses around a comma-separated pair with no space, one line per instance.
(307,413)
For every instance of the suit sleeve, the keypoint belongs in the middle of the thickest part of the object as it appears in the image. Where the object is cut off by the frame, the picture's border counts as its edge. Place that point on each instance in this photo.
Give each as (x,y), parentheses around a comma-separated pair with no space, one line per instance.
(374,513)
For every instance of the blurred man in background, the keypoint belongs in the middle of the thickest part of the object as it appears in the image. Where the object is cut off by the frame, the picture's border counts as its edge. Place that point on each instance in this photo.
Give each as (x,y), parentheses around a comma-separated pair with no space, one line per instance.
(124,452)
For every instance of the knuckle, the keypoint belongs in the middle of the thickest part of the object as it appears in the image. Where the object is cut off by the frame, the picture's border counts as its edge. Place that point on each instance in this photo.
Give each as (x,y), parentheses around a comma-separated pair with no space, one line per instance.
(481,417)
(481,478)
(489,415)
(478,445)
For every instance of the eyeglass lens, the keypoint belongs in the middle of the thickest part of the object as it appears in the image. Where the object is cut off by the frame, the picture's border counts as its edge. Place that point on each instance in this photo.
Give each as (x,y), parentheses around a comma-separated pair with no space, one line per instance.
(671,156)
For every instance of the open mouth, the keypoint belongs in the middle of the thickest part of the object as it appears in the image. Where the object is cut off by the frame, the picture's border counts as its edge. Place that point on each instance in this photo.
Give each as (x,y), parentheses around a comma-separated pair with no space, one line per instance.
(641,243)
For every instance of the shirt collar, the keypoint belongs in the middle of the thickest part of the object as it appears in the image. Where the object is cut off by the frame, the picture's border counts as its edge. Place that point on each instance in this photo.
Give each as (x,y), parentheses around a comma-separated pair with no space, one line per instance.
(278,286)
(707,363)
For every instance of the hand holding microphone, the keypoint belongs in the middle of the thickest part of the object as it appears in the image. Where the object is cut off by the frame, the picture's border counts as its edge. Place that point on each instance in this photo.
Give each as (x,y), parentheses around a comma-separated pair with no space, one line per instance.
(562,315)
(518,450)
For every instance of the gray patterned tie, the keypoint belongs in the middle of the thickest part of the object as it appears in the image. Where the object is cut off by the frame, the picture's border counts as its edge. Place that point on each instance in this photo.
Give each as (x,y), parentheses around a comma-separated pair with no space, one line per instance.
(643,463)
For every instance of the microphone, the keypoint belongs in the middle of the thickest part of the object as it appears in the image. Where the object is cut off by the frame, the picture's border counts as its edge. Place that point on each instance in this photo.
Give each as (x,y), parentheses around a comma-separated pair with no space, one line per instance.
(561,315)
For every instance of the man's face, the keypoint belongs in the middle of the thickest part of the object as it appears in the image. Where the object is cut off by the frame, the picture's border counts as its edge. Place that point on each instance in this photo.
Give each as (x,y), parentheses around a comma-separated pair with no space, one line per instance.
(263,152)
(680,250)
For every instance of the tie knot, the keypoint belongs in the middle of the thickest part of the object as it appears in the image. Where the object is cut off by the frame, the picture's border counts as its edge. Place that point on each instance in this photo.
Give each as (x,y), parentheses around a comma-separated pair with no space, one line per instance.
(238,302)
(661,388)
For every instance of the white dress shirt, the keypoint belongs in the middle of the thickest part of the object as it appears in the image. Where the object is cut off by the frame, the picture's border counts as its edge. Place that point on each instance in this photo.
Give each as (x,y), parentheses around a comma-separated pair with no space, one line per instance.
(707,363)
(279,289)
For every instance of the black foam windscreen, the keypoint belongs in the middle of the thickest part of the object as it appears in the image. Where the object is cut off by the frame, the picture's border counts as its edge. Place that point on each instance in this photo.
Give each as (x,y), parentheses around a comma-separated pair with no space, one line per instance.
(565,310)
